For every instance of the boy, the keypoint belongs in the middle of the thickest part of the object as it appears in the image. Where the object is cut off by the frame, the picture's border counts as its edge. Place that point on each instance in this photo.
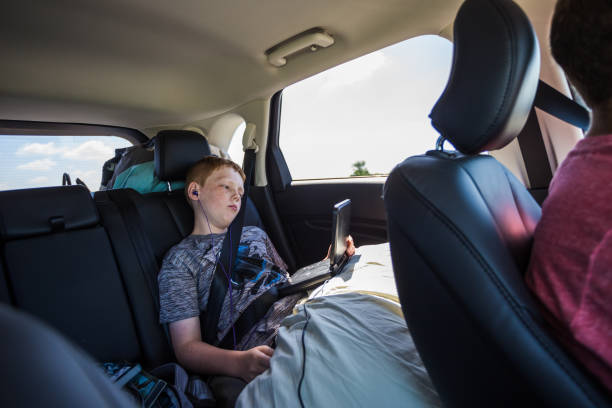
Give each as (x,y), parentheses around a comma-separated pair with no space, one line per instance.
(571,263)
(214,188)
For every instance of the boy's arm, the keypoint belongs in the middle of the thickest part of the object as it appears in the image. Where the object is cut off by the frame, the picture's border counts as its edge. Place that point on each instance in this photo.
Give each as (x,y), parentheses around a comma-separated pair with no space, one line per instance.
(201,357)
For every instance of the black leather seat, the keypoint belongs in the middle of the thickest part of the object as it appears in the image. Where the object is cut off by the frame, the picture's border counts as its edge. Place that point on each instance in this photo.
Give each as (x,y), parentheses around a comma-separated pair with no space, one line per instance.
(41,369)
(461,227)
(60,267)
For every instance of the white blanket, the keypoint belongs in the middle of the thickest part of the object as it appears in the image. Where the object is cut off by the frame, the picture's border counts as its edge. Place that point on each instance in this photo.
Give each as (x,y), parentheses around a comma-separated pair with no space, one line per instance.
(359,351)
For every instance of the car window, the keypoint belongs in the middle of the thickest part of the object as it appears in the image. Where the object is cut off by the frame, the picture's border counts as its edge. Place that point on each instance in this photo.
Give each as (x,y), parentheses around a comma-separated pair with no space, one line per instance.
(40,161)
(365,116)
(235,148)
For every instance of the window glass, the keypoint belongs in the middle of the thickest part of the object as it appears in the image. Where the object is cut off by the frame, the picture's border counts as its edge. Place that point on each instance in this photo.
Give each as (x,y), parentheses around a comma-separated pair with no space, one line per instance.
(235,148)
(365,116)
(40,161)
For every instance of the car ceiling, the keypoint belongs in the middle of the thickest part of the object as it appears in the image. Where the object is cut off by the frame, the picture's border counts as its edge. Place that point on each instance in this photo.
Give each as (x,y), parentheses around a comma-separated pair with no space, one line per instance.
(144,63)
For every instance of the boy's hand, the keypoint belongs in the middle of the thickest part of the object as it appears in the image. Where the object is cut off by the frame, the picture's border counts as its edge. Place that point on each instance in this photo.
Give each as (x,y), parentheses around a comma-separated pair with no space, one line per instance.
(350,248)
(254,362)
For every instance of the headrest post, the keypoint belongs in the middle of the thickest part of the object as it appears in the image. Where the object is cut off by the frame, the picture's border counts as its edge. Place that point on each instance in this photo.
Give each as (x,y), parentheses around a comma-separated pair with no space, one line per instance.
(440,143)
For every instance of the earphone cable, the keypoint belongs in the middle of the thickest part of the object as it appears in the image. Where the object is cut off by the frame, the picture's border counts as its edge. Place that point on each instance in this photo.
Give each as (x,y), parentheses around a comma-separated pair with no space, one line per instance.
(303,356)
(228,276)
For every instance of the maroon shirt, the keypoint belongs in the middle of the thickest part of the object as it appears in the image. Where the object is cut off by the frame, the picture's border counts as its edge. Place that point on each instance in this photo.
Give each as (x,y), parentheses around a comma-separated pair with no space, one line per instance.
(571,262)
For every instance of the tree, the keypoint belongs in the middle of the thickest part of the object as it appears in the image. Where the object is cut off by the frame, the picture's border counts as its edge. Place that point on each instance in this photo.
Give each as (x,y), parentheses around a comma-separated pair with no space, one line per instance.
(360,169)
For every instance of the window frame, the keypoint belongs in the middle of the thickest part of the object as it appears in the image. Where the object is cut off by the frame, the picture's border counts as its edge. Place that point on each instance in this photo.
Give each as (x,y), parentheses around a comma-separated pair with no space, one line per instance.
(18,128)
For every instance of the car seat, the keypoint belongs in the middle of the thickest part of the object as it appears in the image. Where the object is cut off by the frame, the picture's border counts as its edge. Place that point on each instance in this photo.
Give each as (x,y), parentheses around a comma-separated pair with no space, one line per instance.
(42,368)
(461,228)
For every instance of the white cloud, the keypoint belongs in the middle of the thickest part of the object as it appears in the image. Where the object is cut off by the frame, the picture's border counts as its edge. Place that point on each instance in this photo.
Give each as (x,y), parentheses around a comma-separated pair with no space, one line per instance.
(39,148)
(39,180)
(90,177)
(91,150)
(40,165)
(82,174)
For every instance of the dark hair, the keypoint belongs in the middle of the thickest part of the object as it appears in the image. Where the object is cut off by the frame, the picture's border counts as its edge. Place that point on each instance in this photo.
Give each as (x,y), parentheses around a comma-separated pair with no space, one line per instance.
(203,168)
(581,42)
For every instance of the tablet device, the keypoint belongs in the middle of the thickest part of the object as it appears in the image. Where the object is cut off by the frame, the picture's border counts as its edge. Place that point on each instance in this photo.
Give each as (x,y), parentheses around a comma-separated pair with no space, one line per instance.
(341,219)
(311,276)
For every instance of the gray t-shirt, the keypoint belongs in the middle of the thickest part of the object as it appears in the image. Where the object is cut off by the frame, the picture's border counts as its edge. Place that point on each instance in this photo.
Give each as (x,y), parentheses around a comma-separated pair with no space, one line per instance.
(187,273)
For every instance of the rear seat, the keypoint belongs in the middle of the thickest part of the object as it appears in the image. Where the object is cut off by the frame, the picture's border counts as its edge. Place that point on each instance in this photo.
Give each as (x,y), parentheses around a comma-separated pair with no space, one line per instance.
(82,269)
(60,267)
(157,221)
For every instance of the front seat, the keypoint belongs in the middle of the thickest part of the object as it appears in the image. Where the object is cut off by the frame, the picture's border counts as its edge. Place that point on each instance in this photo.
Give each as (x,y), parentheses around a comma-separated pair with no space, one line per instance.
(41,369)
(461,227)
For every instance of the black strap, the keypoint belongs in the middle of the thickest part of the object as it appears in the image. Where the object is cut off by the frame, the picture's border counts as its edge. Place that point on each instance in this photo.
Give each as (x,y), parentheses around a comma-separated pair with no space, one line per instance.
(235,229)
(534,153)
(251,315)
(142,245)
(219,285)
(554,102)
(144,252)
(531,141)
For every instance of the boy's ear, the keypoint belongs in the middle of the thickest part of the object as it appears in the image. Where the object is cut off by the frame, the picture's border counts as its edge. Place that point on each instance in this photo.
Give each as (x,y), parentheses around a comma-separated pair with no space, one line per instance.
(193,191)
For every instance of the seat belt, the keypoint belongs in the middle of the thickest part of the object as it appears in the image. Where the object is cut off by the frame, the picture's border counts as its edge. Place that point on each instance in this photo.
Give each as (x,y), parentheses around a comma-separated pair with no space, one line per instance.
(531,141)
(144,252)
(219,285)
(535,157)
(560,106)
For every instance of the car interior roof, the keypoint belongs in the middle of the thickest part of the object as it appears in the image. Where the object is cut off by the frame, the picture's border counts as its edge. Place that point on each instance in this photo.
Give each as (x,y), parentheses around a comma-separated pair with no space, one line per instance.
(144,64)
(153,65)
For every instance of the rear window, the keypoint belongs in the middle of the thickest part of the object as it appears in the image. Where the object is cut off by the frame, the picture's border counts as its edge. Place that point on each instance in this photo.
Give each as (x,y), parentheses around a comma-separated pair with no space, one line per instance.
(40,161)
(363,117)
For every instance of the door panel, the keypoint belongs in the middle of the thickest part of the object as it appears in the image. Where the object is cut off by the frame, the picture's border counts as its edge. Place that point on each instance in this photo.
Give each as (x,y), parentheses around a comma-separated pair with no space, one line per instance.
(305,210)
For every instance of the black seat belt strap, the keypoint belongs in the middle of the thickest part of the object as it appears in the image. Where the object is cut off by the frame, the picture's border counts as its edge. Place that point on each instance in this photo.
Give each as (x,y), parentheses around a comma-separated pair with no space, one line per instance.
(534,153)
(560,106)
(142,246)
(531,141)
(251,315)
(219,285)
(144,252)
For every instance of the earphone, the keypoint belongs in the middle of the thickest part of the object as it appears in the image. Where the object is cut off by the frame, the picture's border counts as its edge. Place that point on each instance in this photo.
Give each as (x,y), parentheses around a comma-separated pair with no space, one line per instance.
(195,193)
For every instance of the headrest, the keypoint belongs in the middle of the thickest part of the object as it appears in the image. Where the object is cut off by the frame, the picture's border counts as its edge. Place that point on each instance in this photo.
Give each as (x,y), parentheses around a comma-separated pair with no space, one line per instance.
(38,211)
(176,151)
(493,81)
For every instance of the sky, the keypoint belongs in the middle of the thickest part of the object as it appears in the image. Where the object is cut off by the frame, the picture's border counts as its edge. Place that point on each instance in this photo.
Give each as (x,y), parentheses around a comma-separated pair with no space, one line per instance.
(373,108)
(40,161)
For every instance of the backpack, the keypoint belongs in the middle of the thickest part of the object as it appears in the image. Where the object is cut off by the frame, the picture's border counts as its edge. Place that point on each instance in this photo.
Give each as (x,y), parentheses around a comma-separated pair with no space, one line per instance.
(133,167)
(167,386)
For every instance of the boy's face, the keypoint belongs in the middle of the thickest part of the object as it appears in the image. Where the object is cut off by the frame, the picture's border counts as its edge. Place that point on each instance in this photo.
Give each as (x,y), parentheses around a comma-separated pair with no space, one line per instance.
(221,197)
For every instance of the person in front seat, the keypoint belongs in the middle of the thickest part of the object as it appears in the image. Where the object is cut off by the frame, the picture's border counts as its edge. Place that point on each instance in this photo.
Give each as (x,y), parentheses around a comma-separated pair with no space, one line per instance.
(570,269)
(214,188)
